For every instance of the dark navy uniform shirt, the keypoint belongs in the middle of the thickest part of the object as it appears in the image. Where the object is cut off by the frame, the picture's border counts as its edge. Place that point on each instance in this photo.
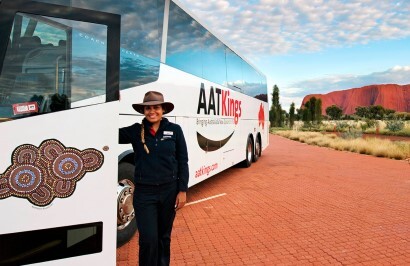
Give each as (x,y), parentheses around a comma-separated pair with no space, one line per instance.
(168,156)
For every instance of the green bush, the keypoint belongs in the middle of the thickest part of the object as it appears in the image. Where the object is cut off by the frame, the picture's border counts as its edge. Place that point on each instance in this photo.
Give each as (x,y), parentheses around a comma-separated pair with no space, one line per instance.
(364,126)
(395,125)
(371,123)
(342,126)
(351,134)
(401,116)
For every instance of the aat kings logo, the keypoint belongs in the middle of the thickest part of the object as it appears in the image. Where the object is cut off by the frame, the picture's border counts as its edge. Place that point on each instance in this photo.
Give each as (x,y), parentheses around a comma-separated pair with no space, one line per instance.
(218,103)
(223,105)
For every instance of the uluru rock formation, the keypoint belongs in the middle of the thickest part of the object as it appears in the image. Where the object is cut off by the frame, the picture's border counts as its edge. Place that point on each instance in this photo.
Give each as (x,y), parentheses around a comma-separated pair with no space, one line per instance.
(390,96)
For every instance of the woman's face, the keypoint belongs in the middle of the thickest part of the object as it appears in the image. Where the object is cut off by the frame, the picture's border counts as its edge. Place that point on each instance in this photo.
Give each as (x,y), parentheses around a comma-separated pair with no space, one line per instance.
(153,113)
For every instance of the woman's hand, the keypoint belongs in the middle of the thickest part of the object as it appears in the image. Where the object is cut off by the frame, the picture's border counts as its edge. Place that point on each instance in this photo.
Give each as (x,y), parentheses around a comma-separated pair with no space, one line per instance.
(181,200)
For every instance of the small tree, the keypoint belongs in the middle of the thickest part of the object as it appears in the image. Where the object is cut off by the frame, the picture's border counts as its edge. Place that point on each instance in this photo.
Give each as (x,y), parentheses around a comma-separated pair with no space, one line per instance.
(389,113)
(292,114)
(402,115)
(275,114)
(362,111)
(284,118)
(334,112)
(299,114)
(376,111)
(280,115)
(318,110)
(307,115)
(312,108)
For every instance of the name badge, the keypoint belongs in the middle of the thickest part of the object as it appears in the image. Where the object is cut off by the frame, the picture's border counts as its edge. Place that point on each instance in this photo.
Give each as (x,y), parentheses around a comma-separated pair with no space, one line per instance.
(168,133)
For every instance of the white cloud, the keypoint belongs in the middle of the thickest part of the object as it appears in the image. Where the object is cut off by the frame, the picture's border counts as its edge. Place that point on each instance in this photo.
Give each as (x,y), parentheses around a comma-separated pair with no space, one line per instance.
(287,101)
(400,68)
(395,75)
(294,91)
(285,26)
(264,28)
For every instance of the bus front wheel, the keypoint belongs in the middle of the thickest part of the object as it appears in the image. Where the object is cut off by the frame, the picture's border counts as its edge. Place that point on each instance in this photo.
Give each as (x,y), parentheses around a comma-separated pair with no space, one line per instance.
(126,223)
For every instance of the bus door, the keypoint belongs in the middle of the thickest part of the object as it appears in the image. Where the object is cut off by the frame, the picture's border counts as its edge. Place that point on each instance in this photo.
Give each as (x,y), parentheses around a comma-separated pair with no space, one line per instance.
(58,122)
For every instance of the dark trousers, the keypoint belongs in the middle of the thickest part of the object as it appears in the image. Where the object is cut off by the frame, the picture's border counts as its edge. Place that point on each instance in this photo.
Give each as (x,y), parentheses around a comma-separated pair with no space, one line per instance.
(155,212)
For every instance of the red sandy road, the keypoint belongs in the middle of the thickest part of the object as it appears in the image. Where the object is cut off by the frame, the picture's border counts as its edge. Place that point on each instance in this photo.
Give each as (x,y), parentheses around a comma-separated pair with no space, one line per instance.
(298,204)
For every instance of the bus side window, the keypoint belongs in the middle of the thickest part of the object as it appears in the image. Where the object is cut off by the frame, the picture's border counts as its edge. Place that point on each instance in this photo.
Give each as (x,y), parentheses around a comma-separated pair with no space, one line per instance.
(59,66)
(33,71)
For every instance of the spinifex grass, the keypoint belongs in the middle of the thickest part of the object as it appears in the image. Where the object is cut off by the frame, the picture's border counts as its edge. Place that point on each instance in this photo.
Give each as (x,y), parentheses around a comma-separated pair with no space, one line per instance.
(372,146)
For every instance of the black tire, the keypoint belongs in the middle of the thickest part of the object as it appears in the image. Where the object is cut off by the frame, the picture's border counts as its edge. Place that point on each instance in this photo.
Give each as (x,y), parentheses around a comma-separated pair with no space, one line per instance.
(258,149)
(248,153)
(126,172)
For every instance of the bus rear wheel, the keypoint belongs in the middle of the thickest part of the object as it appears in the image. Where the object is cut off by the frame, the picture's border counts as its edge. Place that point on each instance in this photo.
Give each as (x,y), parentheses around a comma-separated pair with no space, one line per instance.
(249,153)
(258,149)
(126,223)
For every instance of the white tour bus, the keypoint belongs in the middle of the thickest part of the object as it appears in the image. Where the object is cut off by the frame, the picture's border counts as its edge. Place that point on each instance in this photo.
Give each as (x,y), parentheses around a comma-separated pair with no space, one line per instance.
(69,72)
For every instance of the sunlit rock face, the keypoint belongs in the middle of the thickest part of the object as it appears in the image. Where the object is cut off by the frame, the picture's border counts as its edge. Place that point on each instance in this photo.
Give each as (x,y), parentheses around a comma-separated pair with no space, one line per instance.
(390,96)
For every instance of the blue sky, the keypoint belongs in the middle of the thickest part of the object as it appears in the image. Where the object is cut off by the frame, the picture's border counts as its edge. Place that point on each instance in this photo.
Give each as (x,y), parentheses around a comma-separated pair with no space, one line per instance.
(315,46)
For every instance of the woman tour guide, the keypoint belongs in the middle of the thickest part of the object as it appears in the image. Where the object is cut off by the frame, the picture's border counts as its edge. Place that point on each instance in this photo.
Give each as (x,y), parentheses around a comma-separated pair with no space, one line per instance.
(161,176)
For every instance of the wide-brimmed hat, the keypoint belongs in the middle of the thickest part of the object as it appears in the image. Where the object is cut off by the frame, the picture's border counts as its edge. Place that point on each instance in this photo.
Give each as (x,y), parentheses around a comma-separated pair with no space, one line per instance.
(153,98)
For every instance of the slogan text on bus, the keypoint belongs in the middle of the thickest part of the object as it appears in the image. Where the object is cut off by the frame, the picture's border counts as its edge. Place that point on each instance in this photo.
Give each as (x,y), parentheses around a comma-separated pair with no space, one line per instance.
(223,105)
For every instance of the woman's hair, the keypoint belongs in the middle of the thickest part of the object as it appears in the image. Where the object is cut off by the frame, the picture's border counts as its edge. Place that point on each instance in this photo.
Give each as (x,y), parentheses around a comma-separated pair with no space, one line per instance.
(143,138)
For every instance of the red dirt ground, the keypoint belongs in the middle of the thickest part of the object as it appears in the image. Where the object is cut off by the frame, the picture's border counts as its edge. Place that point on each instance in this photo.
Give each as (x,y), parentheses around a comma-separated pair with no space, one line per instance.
(298,205)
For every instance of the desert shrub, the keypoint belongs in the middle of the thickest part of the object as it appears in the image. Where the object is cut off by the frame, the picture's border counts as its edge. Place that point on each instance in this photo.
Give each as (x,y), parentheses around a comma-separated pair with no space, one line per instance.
(328,126)
(364,126)
(311,126)
(371,146)
(371,123)
(351,134)
(402,115)
(307,125)
(341,126)
(395,125)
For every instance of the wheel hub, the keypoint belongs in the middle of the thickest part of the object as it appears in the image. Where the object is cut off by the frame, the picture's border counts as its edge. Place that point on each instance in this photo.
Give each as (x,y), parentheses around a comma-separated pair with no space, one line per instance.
(125,208)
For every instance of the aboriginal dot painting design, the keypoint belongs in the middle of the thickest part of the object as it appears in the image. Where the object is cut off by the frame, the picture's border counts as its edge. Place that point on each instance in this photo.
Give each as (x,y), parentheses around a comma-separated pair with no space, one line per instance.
(49,171)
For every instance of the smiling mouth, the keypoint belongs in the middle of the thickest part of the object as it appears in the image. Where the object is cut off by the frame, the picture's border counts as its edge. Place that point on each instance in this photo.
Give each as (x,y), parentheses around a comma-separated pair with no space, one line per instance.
(211,145)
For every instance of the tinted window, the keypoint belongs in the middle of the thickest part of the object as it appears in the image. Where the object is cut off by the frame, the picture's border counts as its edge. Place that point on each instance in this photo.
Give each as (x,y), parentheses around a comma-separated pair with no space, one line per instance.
(234,70)
(52,65)
(88,63)
(213,61)
(136,70)
(185,42)
(141,36)
(252,81)
(193,49)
